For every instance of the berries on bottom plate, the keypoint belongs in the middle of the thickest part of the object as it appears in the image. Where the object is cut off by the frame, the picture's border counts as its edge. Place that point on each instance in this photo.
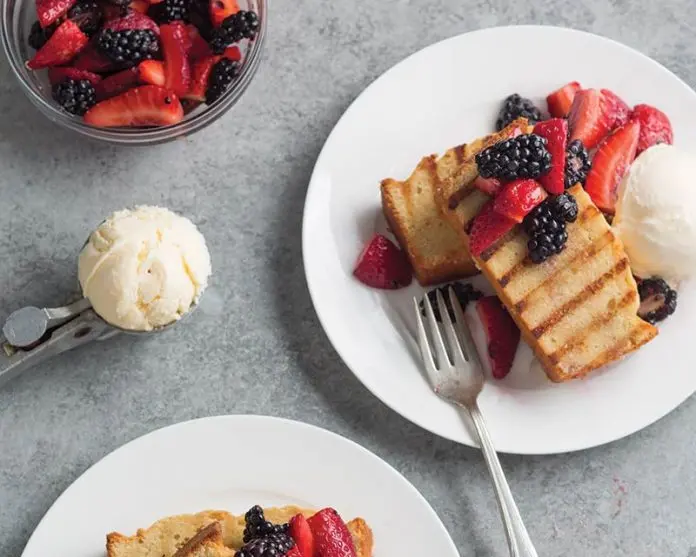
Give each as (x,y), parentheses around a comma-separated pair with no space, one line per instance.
(560,101)
(655,127)
(258,527)
(546,227)
(502,334)
(75,97)
(130,46)
(331,535)
(577,164)
(241,25)
(273,545)
(555,131)
(465,293)
(515,107)
(221,77)
(524,156)
(143,106)
(657,300)
(383,265)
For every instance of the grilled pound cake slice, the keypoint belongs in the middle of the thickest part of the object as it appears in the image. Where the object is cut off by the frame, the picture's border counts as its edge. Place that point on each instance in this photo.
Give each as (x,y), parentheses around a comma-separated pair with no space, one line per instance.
(433,247)
(578,310)
(169,536)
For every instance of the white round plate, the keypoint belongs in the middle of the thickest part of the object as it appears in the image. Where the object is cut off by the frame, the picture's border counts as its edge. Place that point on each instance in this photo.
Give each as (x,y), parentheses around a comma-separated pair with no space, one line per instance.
(232,463)
(445,95)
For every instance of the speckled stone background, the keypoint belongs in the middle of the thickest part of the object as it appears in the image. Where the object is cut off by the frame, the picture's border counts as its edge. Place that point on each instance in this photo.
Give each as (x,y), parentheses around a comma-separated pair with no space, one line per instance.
(244,181)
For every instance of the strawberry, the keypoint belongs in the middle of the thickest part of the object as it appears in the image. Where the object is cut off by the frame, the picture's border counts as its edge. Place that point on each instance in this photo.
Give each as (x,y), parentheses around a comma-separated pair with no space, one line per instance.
(383,265)
(63,46)
(152,72)
(117,83)
(331,535)
(588,119)
(556,133)
(60,74)
(143,106)
(177,68)
(490,186)
(488,227)
(198,47)
(294,552)
(502,334)
(302,534)
(201,76)
(91,60)
(610,163)
(221,9)
(132,20)
(655,127)
(233,53)
(617,109)
(518,198)
(50,11)
(560,101)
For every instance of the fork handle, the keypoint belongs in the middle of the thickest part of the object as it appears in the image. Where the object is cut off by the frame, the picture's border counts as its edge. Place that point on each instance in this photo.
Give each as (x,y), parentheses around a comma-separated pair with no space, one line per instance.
(519,542)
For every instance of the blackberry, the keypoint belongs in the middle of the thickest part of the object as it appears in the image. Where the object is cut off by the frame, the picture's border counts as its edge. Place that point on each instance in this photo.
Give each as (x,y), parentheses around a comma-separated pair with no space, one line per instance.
(577,164)
(515,107)
(258,527)
(128,47)
(657,300)
(465,293)
(564,207)
(75,97)
(221,76)
(524,156)
(242,25)
(171,10)
(546,230)
(273,545)
(38,36)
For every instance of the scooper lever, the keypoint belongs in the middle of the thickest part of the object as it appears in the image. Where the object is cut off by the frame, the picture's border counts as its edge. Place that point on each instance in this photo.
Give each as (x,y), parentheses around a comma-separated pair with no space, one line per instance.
(32,335)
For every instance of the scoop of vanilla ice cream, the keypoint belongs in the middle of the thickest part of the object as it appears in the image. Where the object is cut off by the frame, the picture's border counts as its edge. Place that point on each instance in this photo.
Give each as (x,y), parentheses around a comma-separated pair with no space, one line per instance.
(144,268)
(656,214)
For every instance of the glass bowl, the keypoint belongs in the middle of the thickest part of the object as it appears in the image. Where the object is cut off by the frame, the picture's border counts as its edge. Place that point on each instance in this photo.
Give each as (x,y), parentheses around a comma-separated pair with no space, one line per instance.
(16,19)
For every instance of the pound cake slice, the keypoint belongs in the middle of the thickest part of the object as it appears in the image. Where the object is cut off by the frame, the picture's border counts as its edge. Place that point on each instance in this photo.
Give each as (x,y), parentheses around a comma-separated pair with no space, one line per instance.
(433,247)
(578,310)
(212,534)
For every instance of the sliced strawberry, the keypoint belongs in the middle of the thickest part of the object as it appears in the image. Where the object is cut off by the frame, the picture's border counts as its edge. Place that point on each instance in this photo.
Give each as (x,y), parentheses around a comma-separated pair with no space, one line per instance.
(588,119)
(610,163)
(560,101)
(201,76)
(143,106)
(152,72)
(177,68)
(556,133)
(220,9)
(617,109)
(199,47)
(233,53)
(383,265)
(91,60)
(302,534)
(141,6)
(490,186)
(331,535)
(132,20)
(60,74)
(117,83)
(502,334)
(488,227)
(518,198)
(655,127)
(50,11)
(63,46)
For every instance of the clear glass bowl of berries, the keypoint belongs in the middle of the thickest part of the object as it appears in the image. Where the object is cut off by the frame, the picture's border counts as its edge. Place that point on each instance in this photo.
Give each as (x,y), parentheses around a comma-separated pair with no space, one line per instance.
(134,72)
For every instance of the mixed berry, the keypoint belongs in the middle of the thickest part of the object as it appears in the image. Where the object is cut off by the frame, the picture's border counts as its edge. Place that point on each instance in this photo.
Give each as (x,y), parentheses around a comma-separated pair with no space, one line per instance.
(657,299)
(139,62)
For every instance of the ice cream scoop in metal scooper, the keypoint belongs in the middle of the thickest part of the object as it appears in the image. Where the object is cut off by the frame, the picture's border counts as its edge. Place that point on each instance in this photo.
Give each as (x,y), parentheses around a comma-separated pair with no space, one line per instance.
(32,335)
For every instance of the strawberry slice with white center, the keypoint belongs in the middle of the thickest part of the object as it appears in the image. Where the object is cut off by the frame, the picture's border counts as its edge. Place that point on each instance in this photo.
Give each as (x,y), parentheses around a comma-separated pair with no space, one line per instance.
(655,127)
(610,163)
(67,41)
(488,227)
(331,535)
(143,106)
(502,334)
(588,119)
(618,110)
(152,72)
(177,68)
(560,101)
(383,265)
(518,198)
(300,531)
(556,133)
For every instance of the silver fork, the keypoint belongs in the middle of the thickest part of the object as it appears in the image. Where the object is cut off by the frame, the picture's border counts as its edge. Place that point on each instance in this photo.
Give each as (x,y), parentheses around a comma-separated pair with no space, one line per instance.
(456,376)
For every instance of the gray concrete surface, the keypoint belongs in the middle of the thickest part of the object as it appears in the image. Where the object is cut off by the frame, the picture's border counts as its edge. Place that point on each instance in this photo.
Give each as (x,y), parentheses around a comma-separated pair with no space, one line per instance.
(244,180)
